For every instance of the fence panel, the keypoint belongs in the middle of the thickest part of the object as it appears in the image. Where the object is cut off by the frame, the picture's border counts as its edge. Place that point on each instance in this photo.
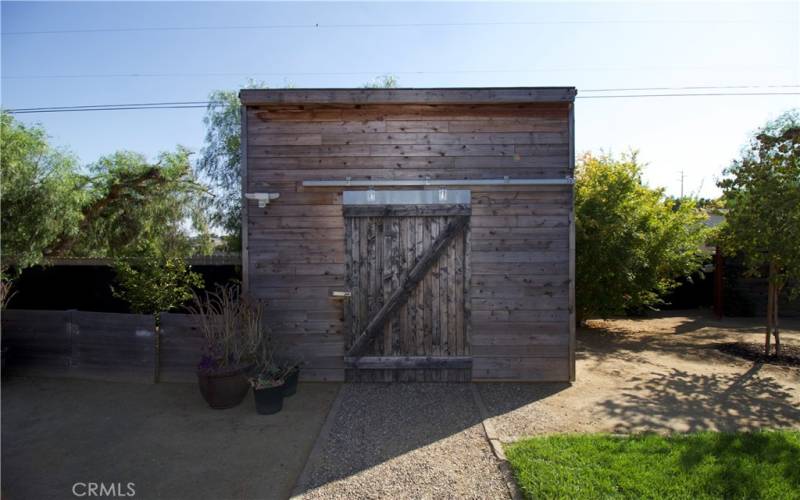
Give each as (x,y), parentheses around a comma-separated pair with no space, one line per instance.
(113,346)
(38,342)
(181,345)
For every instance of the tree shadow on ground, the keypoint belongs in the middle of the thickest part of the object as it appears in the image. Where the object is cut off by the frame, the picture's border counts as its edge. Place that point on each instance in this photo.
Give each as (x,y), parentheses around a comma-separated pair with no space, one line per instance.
(690,337)
(604,344)
(679,400)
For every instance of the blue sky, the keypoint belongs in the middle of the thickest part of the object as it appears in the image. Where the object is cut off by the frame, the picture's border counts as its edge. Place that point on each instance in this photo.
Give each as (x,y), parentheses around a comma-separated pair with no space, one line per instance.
(586,45)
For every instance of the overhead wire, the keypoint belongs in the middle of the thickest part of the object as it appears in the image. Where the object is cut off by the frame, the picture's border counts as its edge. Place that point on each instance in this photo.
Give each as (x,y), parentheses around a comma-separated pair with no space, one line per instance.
(204,104)
(389,25)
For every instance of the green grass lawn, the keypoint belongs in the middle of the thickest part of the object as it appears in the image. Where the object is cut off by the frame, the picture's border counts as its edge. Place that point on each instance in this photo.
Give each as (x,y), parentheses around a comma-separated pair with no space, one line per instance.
(702,465)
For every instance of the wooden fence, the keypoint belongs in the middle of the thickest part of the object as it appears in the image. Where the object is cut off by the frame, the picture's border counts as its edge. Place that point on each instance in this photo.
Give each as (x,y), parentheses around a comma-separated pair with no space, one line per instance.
(98,345)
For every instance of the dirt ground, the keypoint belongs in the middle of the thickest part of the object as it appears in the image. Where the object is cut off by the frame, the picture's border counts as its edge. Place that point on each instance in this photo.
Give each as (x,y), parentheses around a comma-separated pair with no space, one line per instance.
(658,374)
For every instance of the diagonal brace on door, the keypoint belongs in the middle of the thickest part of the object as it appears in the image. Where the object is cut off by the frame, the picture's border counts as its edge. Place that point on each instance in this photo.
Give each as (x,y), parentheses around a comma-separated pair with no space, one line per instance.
(400,295)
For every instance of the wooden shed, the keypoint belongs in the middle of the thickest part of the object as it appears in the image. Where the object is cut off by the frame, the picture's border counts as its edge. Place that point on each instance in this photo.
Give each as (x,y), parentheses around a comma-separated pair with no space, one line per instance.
(413,234)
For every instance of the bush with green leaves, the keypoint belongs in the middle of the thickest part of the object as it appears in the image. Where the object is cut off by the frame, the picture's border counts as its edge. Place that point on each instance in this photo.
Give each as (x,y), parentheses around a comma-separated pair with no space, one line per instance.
(761,194)
(632,242)
(153,283)
(41,193)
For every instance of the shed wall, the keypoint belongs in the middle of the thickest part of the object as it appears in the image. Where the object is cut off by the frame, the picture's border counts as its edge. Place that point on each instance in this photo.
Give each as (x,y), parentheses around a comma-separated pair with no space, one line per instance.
(520,236)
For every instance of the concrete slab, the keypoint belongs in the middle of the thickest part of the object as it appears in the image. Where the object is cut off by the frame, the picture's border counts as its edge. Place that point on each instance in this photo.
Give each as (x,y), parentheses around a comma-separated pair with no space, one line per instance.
(163,438)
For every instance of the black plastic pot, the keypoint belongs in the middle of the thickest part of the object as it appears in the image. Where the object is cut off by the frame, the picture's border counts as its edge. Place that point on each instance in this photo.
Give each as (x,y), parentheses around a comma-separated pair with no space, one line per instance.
(223,390)
(290,386)
(269,400)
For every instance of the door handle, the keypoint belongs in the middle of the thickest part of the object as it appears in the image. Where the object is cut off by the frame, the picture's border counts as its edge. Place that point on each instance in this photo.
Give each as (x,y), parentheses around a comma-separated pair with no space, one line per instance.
(341,295)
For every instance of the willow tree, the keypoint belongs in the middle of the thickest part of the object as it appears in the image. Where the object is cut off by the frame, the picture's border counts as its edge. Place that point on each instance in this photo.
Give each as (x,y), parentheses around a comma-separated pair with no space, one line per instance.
(132,203)
(761,192)
(54,207)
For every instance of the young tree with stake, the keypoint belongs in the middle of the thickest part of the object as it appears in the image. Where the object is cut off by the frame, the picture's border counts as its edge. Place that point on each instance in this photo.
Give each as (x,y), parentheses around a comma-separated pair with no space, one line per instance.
(762,221)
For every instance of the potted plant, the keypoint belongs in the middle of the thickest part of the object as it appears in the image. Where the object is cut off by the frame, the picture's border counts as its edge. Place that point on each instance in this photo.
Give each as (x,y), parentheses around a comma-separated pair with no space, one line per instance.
(268,383)
(268,378)
(221,371)
(292,370)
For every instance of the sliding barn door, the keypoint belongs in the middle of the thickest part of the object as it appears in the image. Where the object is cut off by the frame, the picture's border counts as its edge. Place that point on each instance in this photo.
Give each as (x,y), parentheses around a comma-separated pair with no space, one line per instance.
(406,271)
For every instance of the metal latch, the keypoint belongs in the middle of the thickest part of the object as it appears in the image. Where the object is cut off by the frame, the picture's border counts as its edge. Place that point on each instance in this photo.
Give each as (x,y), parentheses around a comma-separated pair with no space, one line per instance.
(340,294)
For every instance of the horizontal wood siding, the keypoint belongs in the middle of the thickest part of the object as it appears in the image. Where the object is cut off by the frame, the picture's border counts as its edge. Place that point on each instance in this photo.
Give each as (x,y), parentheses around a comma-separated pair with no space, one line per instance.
(97,345)
(518,280)
(79,344)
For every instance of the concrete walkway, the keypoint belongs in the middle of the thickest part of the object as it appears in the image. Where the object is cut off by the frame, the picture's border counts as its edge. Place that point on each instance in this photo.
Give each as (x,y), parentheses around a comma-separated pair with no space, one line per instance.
(163,438)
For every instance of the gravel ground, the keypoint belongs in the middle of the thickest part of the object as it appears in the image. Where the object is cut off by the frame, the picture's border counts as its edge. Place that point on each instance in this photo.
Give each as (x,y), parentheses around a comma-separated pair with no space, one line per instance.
(405,441)
(661,374)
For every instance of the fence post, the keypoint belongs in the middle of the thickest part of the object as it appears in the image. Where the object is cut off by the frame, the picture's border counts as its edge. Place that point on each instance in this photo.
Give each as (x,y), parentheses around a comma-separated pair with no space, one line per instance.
(156,347)
(73,334)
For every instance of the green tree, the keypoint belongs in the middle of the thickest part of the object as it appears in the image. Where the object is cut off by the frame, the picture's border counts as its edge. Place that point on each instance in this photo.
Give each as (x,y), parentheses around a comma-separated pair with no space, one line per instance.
(53,208)
(632,243)
(382,82)
(220,161)
(131,204)
(40,191)
(761,192)
(152,283)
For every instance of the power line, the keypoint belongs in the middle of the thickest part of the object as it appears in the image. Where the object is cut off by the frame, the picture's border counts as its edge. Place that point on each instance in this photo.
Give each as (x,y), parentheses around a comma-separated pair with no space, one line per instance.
(110,108)
(710,87)
(203,104)
(315,26)
(698,94)
(357,73)
(90,107)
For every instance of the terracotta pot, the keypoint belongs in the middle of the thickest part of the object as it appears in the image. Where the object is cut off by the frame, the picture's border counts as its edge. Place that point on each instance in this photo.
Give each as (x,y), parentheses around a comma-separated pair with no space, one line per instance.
(223,390)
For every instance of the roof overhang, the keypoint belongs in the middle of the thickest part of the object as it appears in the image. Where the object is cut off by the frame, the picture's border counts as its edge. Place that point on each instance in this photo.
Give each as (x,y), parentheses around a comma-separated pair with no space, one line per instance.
(493,95)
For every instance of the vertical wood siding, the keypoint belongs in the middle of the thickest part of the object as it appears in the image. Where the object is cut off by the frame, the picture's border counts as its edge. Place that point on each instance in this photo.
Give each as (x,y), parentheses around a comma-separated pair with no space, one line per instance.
(442,334)
(517,291)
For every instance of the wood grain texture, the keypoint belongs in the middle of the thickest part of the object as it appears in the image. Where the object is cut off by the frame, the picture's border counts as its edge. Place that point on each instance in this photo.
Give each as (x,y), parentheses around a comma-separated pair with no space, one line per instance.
(383,307)
(79,344)
(514,258)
